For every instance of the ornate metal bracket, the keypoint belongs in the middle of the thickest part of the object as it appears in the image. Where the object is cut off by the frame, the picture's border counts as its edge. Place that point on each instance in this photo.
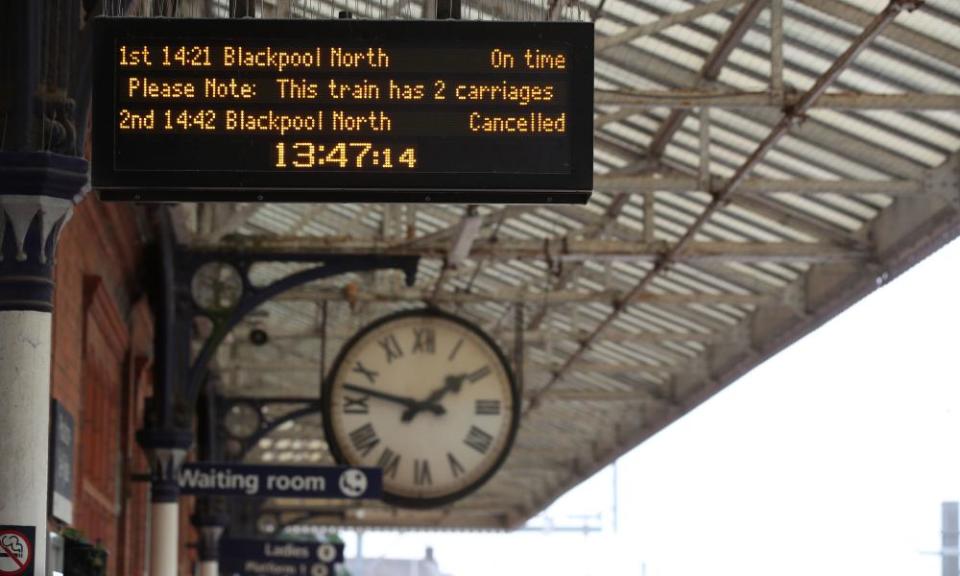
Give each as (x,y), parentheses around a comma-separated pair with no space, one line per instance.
(244,422)
(227,306)
(216,285)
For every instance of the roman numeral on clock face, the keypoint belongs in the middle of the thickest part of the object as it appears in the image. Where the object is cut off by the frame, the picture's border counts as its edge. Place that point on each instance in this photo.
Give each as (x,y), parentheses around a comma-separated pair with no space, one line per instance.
(455,467)
(425,340)
(456,348)
(371,375)
(487,407)
(478,440)
(352,405)
(421,473)
(479,374)
(364,439)
(389,462)
(391,347)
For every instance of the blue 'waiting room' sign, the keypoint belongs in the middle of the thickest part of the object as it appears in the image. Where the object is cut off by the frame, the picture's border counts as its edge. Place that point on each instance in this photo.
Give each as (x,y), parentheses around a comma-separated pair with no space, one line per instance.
(226,479)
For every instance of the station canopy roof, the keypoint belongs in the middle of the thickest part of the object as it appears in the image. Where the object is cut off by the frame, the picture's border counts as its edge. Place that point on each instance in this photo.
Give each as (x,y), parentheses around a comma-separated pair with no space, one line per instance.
(730,217)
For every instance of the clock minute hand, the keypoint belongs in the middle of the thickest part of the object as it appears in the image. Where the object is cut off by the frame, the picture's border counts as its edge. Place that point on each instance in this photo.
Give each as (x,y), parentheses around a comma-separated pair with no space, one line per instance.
(410,403)
(450,384)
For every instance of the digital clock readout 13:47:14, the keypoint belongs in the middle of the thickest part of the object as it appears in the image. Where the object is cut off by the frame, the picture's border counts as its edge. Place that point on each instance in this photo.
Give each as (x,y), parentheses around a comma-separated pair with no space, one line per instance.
(342,155)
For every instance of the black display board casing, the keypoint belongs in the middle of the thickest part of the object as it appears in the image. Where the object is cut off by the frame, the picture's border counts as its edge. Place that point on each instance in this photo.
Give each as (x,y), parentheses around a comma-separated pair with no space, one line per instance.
(242,184)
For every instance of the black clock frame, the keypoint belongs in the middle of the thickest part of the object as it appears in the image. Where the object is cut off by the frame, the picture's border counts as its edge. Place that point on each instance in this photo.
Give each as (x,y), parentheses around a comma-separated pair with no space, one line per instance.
(326,406)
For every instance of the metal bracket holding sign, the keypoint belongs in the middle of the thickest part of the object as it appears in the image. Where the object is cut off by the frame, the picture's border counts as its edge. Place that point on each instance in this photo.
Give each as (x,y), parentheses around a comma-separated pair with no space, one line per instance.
(216,290)
(17,550)
(342,110)
(245,421)
(226,479)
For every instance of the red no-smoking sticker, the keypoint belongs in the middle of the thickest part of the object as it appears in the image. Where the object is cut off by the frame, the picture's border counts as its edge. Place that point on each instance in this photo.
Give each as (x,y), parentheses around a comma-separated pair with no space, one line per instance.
(16,550)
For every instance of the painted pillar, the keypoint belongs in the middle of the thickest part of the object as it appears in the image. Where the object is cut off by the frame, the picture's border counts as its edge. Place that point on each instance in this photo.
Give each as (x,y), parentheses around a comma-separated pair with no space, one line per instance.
(210,550)
(37,194)
(209,568)
(166,450)
(210,520)
(167,433)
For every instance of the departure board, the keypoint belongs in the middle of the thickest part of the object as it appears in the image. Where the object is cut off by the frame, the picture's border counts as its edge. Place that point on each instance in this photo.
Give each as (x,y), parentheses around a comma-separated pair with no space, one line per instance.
(342,110)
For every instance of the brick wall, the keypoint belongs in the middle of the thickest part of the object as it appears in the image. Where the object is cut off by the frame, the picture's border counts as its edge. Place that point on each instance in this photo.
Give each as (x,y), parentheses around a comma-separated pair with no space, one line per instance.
(101,373)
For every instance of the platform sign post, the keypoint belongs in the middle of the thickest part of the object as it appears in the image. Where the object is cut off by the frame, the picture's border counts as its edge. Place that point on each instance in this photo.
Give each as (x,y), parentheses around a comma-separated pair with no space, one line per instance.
(342,110)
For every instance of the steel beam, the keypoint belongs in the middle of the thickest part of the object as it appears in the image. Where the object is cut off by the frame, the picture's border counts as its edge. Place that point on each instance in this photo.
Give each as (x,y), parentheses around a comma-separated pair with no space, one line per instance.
(722,195)
(519,295)
(604,42)
(776,49)
(690,98)
(704,176)
(812,131)
(555,9)
(489,219)
(596,396)
(897,32)
(593,367)
(710,70)
(757,186)
(560,249)
(593,231)
(507,335)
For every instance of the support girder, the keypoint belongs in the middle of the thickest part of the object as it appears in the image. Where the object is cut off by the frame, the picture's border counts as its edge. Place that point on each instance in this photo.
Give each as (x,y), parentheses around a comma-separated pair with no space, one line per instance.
(687,98)
(562,249)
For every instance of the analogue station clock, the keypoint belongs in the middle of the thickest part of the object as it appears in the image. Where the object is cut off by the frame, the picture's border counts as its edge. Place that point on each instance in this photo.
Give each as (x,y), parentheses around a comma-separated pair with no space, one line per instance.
(427,397)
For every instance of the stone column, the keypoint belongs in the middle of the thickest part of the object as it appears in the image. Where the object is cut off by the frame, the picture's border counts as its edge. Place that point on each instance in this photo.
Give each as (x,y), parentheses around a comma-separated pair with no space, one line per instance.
(166,450)
(37,194)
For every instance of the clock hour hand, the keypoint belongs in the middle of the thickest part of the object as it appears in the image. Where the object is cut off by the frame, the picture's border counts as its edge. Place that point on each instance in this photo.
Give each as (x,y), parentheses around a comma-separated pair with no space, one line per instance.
(450,384)
(410,403)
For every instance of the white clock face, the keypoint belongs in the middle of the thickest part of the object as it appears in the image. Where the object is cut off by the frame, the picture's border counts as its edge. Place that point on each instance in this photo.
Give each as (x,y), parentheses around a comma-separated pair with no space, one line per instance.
(427,399)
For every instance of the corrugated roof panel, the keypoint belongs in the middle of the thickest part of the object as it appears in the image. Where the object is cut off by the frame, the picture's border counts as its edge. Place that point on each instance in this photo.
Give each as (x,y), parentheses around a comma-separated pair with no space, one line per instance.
(628,132)
(878,136)
(939,138)
(863,145)
(933,26)
(685,57)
